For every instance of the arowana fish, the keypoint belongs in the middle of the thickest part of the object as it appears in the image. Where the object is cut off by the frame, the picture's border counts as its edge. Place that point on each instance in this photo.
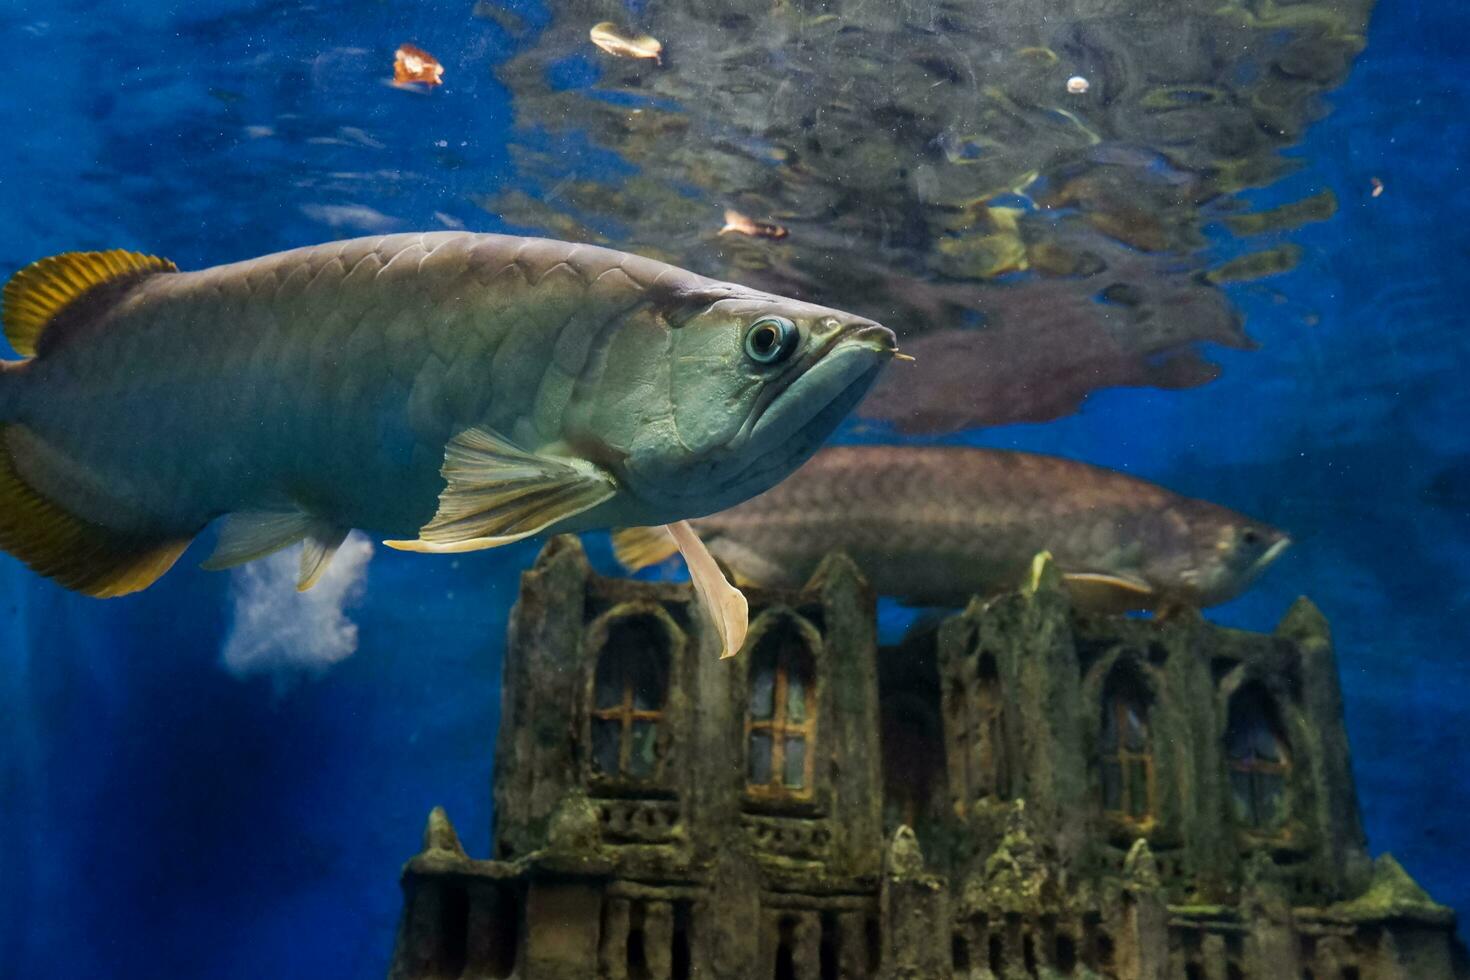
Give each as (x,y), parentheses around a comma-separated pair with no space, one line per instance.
(454,391)
(934,525)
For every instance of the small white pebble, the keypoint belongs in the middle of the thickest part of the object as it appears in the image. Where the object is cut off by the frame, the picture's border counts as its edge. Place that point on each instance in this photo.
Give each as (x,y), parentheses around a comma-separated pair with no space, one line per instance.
(1077,85)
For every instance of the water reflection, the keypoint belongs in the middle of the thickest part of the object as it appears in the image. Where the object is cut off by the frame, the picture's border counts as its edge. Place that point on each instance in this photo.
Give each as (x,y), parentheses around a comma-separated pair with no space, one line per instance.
(1036,197)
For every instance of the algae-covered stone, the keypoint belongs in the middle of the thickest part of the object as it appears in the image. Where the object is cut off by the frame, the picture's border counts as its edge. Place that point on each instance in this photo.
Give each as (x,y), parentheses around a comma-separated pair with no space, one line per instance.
(1028,867)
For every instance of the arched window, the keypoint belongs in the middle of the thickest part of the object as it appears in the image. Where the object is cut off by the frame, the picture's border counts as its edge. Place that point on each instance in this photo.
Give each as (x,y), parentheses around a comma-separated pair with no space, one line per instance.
(988,753)
(780,727)
(628,693)
(1127,761)
(1258,759)
(975,718)
(912,749)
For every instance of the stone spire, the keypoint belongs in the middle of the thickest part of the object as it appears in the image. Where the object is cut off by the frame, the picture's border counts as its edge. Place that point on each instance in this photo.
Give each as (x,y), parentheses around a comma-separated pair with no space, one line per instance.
(439,834)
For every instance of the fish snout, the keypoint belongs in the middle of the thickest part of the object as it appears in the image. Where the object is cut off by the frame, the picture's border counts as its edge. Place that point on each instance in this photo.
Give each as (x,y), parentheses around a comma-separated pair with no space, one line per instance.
(873,335)
(856,335)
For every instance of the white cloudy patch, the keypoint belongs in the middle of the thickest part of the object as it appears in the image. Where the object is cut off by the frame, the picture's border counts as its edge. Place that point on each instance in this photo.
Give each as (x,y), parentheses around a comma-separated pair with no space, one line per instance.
(277,630)
(350,217)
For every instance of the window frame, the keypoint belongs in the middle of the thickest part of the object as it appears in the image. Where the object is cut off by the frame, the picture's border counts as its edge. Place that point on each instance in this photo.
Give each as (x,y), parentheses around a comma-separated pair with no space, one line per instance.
(626,715)
(596,638)
(796,646)
(1123,689)
(1266,711)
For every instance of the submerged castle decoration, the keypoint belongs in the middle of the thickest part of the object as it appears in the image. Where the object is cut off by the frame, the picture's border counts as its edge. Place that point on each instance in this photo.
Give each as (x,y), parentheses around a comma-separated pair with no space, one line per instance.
(1018,792)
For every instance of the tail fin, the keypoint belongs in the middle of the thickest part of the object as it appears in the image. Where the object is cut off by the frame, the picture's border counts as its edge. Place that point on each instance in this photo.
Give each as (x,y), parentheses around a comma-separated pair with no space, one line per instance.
(78,554)
(639,547)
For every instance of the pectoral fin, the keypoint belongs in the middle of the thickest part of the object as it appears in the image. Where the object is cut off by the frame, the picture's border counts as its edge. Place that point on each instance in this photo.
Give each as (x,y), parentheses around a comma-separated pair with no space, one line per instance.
(247,535)
(726,604)
(1109,592)
(497,493)
(640,547)
(251,534)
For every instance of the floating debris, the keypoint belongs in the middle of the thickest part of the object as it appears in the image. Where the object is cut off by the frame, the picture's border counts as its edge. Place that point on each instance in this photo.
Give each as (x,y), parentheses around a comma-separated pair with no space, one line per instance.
(1377,187)
(738,224)
(411,64)
(1077,85)
(607,37)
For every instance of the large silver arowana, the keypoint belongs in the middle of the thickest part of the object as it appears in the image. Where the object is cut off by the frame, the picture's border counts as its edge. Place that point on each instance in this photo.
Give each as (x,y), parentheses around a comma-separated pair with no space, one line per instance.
(454,391)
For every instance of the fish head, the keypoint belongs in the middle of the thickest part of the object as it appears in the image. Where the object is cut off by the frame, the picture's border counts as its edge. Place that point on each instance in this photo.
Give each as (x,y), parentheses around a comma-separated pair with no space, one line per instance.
(1231,551)
(747,386)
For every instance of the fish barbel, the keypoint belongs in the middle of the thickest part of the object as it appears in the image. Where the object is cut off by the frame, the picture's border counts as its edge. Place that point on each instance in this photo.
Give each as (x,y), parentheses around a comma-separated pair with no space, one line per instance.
(452,390)
(934,525)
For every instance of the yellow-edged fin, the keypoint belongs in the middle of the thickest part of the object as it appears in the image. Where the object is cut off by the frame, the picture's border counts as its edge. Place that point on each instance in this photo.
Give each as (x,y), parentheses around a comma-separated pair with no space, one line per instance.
(36,294)
(639,547)
(726,604)
(497,493)
(77,554)
(1108,593)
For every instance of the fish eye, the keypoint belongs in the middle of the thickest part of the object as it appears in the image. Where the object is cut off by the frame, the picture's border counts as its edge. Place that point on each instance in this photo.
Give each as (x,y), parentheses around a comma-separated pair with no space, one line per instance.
(771,339)
(1250,536)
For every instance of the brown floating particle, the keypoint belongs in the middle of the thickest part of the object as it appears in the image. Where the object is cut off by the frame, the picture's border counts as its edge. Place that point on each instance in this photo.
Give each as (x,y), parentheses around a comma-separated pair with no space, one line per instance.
(607,37)
(1377,186)
(411,64)
(738,224)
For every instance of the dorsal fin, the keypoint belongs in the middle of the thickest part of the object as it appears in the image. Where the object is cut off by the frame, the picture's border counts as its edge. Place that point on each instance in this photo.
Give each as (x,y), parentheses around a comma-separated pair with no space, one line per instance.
(35,294)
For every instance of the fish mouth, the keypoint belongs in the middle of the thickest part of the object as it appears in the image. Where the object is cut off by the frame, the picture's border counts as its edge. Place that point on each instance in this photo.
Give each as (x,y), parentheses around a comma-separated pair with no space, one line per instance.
(1272,553)
(820,378)
(790,420)
(1253,571)
(795,420)
(849,360)
(813,404)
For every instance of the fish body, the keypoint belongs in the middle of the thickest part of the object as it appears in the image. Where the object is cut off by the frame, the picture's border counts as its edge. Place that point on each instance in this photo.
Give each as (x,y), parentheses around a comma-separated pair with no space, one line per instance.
(935,525)
(452,390)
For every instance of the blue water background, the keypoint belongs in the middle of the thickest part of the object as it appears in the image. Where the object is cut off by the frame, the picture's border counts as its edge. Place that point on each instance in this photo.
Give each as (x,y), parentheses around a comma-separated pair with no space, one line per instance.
(159,817)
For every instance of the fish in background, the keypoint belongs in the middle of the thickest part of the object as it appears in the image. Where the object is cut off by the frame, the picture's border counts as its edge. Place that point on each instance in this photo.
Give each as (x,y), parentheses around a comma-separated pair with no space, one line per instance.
(451,391)
(935,525)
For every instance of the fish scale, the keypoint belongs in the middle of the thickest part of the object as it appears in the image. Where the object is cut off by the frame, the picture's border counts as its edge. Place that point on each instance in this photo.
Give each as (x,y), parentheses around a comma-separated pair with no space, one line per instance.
(268,338)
